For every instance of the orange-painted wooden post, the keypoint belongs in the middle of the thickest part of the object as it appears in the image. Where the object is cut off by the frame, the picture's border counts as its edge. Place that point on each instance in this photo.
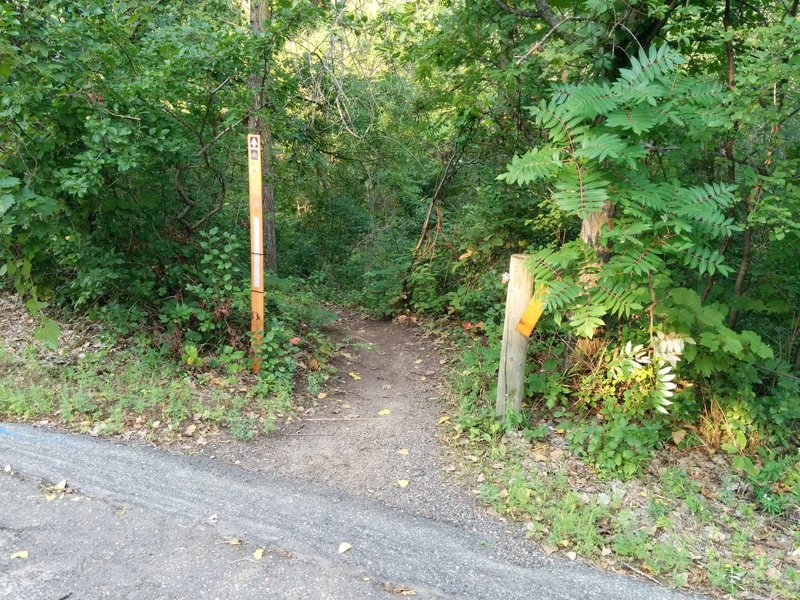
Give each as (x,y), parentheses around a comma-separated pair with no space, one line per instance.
(256,246)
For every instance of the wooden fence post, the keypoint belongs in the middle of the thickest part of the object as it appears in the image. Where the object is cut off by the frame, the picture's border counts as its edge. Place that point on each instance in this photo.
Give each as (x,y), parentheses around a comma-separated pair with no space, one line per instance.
(513,353)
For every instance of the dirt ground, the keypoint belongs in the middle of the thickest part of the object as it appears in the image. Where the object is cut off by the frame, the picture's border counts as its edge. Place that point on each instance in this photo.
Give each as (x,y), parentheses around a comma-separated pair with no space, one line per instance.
(376,433)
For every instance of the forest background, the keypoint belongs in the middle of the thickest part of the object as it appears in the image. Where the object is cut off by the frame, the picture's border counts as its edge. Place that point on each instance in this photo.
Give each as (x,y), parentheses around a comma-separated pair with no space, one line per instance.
(645,154)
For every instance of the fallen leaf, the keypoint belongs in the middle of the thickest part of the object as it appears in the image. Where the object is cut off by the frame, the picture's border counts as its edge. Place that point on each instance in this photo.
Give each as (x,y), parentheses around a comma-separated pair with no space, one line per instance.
(346,406)
(384,412)
(403,452)
(443,419)
(403,483)
(572,555)
(234,541)
(20,554)
(189,432)
(322,396)
(344,547)
(7,468)
(354,375)
(605,551)
(60,486)
(399,590)
(418,361)
(347,355)
(258,554)
(50,497)
(678,436)
(213,518)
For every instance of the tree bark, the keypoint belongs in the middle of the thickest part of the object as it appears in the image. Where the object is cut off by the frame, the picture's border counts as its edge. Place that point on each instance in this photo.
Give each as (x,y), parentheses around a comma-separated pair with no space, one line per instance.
(260,12)
(729,143)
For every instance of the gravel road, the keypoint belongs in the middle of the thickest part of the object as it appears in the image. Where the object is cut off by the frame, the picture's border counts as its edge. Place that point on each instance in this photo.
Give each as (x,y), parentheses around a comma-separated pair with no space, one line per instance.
(151,524)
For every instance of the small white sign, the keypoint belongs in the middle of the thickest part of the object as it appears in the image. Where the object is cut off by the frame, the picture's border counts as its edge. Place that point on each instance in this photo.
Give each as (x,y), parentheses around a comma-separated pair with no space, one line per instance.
(257,271)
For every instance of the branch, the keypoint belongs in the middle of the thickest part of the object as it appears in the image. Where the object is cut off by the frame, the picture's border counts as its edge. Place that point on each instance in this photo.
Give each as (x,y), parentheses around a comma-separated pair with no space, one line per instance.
(540,43)
(547,13)
(217,137)
(518,11)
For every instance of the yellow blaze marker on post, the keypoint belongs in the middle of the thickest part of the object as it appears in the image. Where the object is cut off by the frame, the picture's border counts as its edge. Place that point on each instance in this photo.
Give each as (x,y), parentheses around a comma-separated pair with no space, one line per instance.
(533,313)
(256,247)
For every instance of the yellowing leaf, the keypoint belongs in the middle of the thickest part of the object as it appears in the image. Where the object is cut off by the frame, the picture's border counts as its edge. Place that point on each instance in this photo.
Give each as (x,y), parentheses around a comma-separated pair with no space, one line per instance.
(418,361)
(384,412)
(322,396)
(403,452)
(443,419)
(20,554)
(258,554)
(466,254)
(354,375)
(234,541)
(403,483)
(344,547)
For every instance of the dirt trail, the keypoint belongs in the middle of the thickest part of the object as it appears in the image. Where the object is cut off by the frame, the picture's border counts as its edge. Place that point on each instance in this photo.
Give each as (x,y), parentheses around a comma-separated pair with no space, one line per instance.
(345,443)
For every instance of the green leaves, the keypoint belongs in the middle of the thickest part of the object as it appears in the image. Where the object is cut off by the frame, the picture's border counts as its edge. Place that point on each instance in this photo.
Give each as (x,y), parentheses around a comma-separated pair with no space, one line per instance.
(8,185)
(532,166)
(601,146)
(640,119)
(580,190)
(48,332)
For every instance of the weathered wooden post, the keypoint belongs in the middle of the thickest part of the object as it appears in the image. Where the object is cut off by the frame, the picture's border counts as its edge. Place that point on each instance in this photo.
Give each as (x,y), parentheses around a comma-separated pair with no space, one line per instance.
(513,353)
(256,247)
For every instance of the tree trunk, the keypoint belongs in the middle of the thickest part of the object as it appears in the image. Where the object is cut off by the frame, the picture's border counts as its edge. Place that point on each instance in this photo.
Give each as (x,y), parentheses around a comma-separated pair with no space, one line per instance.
(591,228)
(260,12)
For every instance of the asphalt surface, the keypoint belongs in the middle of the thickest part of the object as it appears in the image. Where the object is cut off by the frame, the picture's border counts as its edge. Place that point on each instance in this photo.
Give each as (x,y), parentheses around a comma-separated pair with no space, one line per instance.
(143,523)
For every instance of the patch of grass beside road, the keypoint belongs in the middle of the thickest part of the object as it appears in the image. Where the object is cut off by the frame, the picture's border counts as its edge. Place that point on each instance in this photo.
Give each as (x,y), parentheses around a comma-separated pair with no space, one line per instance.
(669,524)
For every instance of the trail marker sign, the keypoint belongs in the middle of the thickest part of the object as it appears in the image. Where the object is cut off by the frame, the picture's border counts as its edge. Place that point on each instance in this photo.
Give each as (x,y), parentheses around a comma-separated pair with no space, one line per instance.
(256,247)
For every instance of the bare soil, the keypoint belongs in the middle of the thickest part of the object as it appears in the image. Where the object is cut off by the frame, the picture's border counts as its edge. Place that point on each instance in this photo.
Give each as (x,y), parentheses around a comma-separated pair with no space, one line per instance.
(377,432)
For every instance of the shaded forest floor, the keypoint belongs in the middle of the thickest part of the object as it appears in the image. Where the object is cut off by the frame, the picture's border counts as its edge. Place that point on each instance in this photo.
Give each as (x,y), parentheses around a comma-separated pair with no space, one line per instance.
(379,421)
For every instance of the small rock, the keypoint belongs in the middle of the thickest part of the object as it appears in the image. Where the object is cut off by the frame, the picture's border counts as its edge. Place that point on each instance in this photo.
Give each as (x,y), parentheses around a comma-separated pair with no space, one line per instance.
(715,535)
(557,454)
(572,555)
